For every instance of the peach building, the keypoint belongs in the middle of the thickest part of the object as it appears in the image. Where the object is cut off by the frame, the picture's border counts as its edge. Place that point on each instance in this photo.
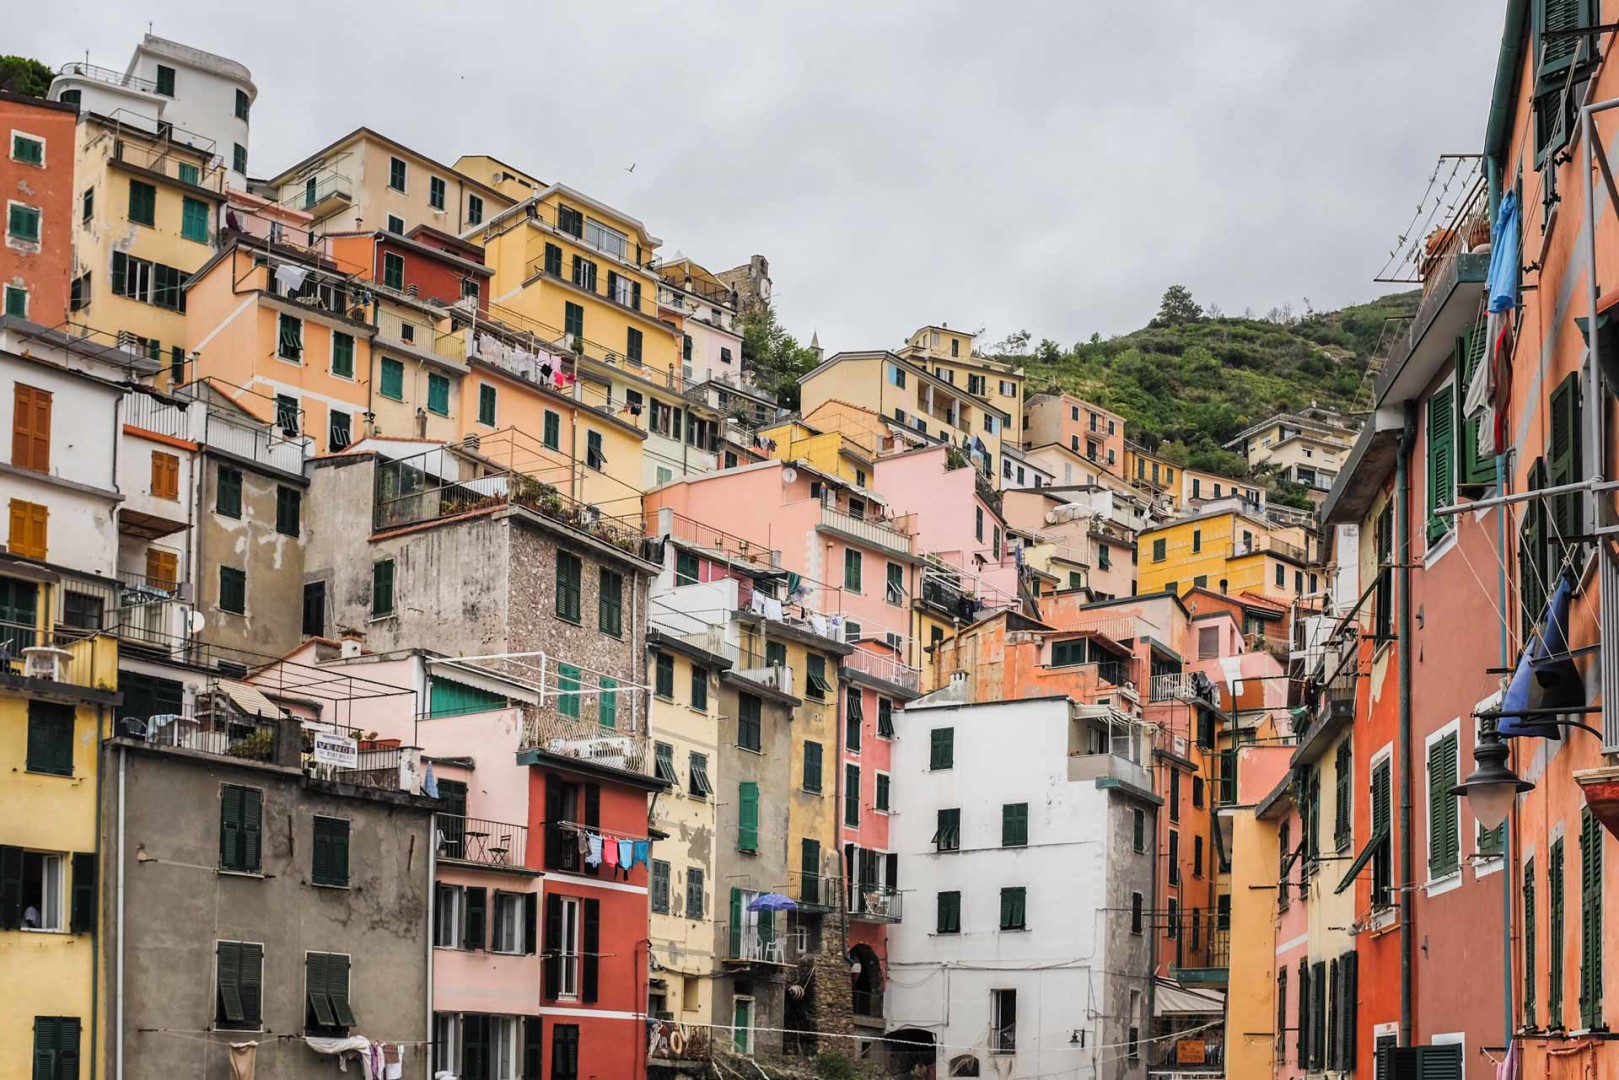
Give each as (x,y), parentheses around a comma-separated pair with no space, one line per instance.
(1086,429)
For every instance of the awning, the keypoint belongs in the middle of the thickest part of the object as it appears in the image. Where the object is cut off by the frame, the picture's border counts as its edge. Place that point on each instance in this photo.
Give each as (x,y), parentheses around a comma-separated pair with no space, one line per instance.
(249,699)
(1173,999)
(1361,860)
(1546,677)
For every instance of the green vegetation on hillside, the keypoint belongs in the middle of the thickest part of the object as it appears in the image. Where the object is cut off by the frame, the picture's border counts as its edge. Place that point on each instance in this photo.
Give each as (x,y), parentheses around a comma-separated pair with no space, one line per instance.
(1192,379)
(22,75)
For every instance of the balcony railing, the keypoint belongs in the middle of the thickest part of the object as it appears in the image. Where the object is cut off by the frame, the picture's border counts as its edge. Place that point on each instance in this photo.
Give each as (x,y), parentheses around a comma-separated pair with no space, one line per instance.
(1262,544)
(304,197)
(153,622)
(482,842)
(108,75)
(624,746)
(78,658)
(875,903)
(1167,687)
(423,336)
(867,1003)
(887,668)
(154,414)
(764,940)
(873,533)
(778,677)
(813,891)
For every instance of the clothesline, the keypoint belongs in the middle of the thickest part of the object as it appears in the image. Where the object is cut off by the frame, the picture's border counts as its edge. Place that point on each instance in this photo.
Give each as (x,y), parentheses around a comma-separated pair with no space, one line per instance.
(574,826)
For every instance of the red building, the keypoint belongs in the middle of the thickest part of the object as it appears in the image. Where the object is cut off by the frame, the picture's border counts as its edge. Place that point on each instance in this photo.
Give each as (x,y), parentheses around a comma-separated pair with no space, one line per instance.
(36,176)
(425,265)
(594,918)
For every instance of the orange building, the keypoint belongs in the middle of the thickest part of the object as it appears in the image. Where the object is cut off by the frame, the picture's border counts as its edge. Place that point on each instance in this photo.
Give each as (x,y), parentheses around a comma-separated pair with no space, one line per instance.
(36,177)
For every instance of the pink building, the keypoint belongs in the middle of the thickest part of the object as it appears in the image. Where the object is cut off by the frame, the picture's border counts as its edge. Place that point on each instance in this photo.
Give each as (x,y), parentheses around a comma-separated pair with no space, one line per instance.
(1088,430)
(951,516)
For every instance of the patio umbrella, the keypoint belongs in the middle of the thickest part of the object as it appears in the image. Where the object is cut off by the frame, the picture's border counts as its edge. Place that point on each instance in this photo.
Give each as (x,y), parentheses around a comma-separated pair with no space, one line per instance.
(772,901)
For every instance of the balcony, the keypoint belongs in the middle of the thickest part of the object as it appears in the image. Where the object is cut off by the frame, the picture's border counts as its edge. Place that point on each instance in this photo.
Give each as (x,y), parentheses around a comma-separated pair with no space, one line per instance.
(77,661)
(1263,544)
(321,197)
(480,842)
(815,893)
(1211,962)
(777,677)
(867,1003)
(758,940)
(877,534)
(887,668)
(875,903)
(624,746)
(218,724)
(1169,687)
(419,335)
(110,76)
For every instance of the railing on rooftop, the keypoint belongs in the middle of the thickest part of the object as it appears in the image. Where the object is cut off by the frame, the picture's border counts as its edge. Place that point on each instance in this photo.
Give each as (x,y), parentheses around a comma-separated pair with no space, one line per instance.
(1167,687)
(80,658)
(874,533)
(694,532)
(221,731)
(301,196)
(158,415)
(777,677)
(887,668)
(1263,544)
(421,334)
(482,842)
(813,890)
(581,229)
(167,159)
(708,292)
(624,746)
(108,75)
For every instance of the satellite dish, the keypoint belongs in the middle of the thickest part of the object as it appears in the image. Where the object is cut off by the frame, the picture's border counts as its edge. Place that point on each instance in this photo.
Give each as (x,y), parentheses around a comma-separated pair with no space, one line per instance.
(199,621)
(789,474)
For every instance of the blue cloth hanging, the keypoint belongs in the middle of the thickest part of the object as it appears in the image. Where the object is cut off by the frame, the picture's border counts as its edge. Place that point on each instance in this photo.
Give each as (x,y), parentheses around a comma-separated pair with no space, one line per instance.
(1504,263)
(1546,677)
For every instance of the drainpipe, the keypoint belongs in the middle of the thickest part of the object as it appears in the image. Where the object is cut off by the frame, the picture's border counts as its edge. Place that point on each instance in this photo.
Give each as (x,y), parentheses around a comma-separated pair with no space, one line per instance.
(96,937)
(432,916)
(1402,552)
(118,990)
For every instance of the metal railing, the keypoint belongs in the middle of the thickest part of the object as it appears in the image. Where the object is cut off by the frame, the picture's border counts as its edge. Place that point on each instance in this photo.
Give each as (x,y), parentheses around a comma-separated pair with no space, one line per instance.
(867,1003)
(154,414)
(777,677)
(692,531)
(108,75)
(886,668)
(1166,687)
(1113,672)
(624,746)
(1263,544)
(813,890)
(423,336)
(875,533)
(484,842)
(246,738)
(549,218)
(761,941)
(875,903)
(81,658)
(302,197)
(144,155)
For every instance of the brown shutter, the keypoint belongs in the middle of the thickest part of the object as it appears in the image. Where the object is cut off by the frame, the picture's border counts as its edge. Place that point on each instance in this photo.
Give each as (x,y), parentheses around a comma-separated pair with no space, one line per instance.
(165,475)
(162,568)
(31,435)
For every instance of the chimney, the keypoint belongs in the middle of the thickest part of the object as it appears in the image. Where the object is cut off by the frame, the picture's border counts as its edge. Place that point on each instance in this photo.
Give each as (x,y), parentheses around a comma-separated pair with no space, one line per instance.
(351,643)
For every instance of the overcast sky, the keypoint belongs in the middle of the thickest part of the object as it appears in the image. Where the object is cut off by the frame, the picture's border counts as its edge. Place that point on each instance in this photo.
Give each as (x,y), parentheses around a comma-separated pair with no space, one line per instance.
(1000,165)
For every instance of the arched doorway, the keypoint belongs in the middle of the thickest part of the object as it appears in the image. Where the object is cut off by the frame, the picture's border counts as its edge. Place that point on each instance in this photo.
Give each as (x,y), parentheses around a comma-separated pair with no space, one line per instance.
(912,1054)
(866,976)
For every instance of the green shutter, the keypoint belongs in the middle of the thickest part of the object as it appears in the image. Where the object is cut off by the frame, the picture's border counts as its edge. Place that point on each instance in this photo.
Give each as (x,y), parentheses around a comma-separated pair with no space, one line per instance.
(1529,972)
(809,869)
(569,571)
(1555,940)
(438,394)
(1591,836)
(393,379)
(382,587)
(736,922)
(607,702)
(1441,436)
(1014,824)
(486,404)
(194,220)
(747,827)
(1563,462)
(610,603)
(330,851)
(553,430)
(50,738)
(942,752)
(567,690)
(1443,856)
(1475,471)
(228,976)
(1532,535)
(851,569)
(812,766)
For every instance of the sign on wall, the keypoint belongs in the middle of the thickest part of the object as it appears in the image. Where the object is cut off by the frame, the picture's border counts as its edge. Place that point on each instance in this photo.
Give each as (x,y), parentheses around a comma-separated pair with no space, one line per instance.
(336,750)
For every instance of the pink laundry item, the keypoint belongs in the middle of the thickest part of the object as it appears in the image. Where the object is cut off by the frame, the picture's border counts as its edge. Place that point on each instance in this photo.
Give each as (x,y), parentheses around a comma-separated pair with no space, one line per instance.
(610,853)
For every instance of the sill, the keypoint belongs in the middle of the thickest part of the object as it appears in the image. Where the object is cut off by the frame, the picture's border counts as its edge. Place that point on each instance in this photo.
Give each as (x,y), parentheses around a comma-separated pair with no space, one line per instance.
(1485,865)
(750,750)
(293,360)
(812,791)
(1446,883)
(228,611)
(345,887)
(42,930)
(43,772)
(745,851)
(383,617)
(450,948)
(390,397)
(659,697)
(234,1030)
(223,872)
(1436,550)
(575,622)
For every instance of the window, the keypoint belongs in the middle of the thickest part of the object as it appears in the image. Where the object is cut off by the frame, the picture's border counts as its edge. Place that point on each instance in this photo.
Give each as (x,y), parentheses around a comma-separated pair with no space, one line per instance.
(570,570)
(885,718)
(49,737)
(474,210)
(1014,824)
(1529,972)
(812,766)
(243,104)
(853,721)
(1174,857)
(1174,794)
(896,375)
(815,684)
(512,922)
(553,430)
(329,852)
(27,149)
(851,795)
(238,158)
(438,394)
(610,605)
(56,1048)
(16,301)
(396,174)
(694,892)
(1172,919)
(851,569)
(1197,789)
(435,192)
(393,379)
(1139,829)
(947,830)
(22,223)
(1197,856)
(1555,939)
(314,614)
(594,458)
(233,590)
(564,1052)
(942,749)
(747,722)
(747,820)
(1444,827)
(632,345)
(288,510)
(1441,446)
(194,220)
(568,690)
(880,800)
(241,818)
(698,771)
(1159,549)
(238,985)
(396,224)
(486,404)
(949,918)
(1281,576)
(289,337)
(382,588)
(1003,1020)
(228,492)
(326,990)
(664,677)
(82,611)
(894,588)
(142,205)
(1591,884)
(1284,845)
(393,271)
(584,273)
(658,892)
(1136,914)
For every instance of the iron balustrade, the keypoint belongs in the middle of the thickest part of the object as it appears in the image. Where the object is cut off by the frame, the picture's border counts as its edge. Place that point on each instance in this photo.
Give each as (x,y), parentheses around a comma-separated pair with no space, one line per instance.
(482,841)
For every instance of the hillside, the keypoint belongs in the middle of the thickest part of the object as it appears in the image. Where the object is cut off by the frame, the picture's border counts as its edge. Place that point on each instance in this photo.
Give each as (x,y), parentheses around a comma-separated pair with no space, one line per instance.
(1188,381)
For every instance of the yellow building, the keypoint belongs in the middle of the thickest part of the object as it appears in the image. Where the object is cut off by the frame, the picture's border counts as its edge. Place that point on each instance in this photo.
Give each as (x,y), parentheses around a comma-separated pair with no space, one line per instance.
(949,355)
(51,727)
(148,214)
(367,180)
(1152,473)
(829,452)
(1198,487)
(1306,448)
(1229,552)
(685,722)
(903,392)
(1250,826)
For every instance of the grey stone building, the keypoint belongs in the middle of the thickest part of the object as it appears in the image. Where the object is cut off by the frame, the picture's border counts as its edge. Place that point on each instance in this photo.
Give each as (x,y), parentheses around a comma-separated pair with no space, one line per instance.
(259,902)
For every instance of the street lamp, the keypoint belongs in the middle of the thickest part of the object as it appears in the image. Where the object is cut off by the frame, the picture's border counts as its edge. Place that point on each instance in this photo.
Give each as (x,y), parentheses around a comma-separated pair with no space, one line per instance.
(1493,786)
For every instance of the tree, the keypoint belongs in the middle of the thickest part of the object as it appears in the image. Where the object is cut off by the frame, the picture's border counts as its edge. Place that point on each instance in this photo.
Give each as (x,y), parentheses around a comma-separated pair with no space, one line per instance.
(1047,352)
(1012,344)
(22,75)
(775,357)
(1177,306)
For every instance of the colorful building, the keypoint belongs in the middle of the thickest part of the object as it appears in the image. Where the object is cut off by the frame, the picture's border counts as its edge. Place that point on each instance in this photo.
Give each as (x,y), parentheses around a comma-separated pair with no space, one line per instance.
(36,176)
(1225,548)
(1306,448)
(1151,473)
(1086,429)
(950,355)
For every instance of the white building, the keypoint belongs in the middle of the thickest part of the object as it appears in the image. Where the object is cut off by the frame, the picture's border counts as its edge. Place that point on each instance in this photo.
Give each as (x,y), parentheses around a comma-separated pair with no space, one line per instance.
(206,100)
(1025,833)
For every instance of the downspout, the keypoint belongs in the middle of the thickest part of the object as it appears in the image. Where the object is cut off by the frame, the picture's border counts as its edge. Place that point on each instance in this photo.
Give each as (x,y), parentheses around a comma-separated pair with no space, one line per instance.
(96,936)
(1402,553)
(432,917)
(118,992)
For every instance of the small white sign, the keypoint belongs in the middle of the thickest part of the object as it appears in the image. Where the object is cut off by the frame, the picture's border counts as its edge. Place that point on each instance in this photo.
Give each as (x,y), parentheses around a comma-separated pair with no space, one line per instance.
(337,750)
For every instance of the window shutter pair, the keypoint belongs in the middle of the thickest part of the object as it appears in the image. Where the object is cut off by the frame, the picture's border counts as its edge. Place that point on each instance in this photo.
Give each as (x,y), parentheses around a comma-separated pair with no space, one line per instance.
(241,816)
(747,831)
(735,931)
(1555,938)
(50,738)
(855,718)
(590,947)
(1591,834)
(330,852)
(239,974)
(1472,349)
(533,1027)
(1443,853)
(31,428)
(326,978)
(1441,436)
(812,766)
(56,1047)
(1563,466)
(1014,824)
(551,961)
(475,928)
(809,868)
(475,1044)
